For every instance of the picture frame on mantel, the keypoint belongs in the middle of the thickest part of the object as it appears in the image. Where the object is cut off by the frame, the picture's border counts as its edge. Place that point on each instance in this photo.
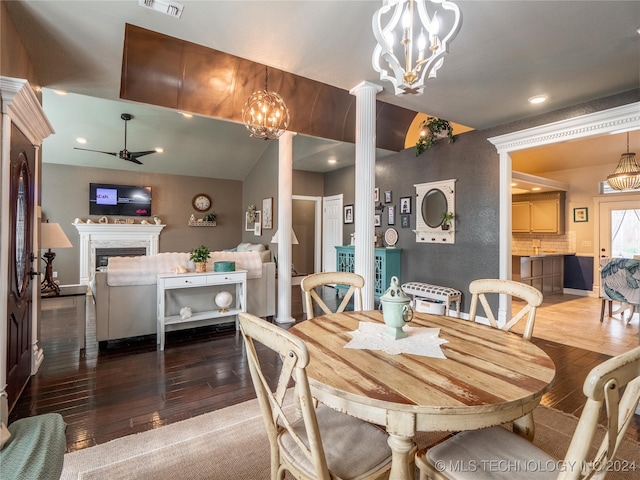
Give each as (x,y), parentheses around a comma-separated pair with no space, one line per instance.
(581,214)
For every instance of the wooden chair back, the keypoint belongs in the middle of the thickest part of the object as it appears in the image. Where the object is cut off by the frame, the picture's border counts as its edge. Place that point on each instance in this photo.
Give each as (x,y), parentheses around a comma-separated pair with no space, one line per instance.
(295,357)
(479,288)
(309,284)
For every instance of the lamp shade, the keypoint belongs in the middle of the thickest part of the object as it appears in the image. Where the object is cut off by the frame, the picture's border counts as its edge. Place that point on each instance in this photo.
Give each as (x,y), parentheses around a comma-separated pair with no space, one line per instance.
(52,236)
(294,239)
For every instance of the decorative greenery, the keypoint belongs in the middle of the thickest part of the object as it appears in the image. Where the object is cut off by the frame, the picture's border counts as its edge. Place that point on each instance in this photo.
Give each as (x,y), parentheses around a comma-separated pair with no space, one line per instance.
(429,131)
(210,217)
(200,254)
(446,220)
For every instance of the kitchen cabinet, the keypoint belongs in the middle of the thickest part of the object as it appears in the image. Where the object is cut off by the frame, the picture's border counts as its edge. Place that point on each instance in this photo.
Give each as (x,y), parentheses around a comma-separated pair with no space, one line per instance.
(538,213)
(544,272)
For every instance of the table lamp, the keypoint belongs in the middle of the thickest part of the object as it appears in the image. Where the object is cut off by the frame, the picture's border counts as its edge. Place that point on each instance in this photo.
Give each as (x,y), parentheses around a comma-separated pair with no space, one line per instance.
(51,236)
(275,239)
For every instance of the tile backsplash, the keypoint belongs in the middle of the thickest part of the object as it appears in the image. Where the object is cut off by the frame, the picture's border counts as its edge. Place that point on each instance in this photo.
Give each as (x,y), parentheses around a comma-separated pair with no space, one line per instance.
(524,243)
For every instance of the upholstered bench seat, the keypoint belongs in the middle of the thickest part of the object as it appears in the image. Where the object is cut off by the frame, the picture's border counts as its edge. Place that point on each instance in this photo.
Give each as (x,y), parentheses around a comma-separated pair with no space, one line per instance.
(435,293)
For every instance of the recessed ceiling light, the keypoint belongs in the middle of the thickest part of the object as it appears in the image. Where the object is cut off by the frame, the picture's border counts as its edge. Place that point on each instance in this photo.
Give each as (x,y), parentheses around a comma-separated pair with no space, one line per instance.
(186,115)
(332,161)
(538,99)
(81,140)
(61,92)
(514,184)
(535,189)
(159,149)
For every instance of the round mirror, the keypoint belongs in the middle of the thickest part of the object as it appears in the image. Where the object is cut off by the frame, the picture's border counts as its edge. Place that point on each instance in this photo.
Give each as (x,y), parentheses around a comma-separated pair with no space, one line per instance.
(434,206)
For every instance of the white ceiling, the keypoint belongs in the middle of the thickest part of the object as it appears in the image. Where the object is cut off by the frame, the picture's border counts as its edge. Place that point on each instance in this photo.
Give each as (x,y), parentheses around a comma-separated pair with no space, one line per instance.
(506,52)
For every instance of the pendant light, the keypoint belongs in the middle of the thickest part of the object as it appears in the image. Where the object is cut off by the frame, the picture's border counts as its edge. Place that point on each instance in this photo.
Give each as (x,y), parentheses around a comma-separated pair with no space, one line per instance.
(626,176)
(265,114)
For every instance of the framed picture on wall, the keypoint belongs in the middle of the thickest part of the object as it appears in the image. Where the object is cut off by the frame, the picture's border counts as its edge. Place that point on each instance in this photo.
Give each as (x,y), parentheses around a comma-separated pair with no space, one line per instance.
(267,213)
(376,194)
(257,226)
(248,222)
(581,214)
(405,205)
(405,221)
(391,219)
(387,196)
(348,214)
(376,220)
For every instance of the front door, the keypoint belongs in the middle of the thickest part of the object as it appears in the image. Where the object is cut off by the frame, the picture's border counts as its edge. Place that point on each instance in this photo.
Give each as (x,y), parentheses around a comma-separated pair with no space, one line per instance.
(619,226)
(19,302)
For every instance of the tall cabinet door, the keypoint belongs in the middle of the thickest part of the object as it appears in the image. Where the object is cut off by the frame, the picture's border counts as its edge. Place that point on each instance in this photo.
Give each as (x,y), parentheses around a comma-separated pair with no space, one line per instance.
(544,216)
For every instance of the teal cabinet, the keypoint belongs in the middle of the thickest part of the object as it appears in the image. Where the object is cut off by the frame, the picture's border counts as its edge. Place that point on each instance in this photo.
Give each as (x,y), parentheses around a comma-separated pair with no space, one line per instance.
(387,265)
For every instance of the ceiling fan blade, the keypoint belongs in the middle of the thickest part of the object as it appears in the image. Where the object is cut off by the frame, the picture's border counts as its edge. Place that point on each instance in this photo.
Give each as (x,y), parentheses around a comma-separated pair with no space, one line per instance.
(141,154)
(115,154)
(132,159)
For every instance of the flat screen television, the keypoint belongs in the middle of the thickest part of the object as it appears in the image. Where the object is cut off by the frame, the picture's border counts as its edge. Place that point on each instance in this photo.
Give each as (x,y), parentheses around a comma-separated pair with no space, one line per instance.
(126,200)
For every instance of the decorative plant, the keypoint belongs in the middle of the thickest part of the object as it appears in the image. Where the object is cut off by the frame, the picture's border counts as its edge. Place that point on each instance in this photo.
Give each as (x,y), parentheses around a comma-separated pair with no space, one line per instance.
(200,254)
(430,129)
(210,217)
(447,217)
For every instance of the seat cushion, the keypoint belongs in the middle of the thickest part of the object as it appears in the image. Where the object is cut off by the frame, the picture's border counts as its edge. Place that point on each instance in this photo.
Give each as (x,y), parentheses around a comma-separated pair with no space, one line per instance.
(491,453)
(353,448)
(36,448)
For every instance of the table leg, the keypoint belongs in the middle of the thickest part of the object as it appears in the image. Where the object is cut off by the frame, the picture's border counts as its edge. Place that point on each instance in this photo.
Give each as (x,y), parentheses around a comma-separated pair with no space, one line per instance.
(525,427)
(402,452)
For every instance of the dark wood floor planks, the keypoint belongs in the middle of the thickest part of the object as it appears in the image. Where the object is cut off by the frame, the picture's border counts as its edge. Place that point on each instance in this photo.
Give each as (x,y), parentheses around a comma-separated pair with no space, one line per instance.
(132,387)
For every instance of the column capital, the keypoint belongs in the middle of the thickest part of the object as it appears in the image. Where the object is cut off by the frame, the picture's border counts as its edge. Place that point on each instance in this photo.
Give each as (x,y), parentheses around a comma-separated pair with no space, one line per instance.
(362,86)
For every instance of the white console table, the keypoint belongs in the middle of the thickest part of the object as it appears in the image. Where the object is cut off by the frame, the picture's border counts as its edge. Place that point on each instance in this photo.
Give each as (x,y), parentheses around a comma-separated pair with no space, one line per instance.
(211,280)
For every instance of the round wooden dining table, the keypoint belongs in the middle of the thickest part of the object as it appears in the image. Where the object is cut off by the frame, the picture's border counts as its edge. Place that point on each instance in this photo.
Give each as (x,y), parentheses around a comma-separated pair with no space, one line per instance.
(489,377)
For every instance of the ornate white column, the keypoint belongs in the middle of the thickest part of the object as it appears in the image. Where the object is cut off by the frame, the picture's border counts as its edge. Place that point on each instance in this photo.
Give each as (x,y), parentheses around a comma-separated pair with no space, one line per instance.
(365,94)
(285,192)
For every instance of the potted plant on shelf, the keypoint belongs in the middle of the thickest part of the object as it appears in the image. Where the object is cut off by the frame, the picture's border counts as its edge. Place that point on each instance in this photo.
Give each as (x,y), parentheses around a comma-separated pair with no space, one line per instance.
(199,256)
(447,217)
(432,129)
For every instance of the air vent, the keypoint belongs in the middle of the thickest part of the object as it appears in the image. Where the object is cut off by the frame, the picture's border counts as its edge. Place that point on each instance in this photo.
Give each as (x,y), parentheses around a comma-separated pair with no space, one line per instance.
(172,9)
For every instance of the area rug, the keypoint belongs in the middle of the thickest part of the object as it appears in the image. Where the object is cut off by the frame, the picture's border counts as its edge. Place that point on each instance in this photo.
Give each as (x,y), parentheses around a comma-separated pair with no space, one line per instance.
(232,443)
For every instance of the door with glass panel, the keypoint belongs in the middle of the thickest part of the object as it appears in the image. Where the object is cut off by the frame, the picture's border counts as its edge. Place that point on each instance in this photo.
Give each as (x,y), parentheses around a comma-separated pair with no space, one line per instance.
(619,227)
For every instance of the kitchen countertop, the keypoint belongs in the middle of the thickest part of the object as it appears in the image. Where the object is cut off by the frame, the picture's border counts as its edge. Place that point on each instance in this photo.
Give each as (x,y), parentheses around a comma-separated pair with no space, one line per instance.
(542,253)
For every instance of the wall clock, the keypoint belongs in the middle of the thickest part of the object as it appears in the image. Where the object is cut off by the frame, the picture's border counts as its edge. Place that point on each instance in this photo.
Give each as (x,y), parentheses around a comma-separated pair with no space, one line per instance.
(201,202)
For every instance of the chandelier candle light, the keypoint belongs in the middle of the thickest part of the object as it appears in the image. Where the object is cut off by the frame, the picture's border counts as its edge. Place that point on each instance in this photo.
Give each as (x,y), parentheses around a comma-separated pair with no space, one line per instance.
(410,78)
(265,114)
(626,176)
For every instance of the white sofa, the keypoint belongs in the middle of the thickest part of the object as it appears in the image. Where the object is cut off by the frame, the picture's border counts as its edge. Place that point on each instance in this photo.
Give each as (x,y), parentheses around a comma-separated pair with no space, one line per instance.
(125,294)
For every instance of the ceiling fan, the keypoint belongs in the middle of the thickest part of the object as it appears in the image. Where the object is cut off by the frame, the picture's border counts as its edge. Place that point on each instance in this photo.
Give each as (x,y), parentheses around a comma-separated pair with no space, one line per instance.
(124,154)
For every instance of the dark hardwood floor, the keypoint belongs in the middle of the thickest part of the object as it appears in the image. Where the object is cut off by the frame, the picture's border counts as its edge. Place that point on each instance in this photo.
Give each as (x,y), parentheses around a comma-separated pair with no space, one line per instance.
(131,386)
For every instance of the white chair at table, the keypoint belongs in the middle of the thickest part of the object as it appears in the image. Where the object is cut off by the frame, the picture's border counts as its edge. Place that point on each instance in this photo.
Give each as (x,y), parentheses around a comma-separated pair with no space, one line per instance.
(321,443)
(309,284)
(479,288)
(603,387)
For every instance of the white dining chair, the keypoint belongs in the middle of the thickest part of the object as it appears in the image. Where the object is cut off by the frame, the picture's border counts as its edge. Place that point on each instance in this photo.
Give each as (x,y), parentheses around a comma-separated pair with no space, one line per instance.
(481,287)
(309,442)
(614,385)
(309,284)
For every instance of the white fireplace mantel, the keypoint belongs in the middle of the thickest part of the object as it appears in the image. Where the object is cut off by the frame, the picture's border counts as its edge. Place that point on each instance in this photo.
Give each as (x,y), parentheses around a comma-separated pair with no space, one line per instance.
(109,235)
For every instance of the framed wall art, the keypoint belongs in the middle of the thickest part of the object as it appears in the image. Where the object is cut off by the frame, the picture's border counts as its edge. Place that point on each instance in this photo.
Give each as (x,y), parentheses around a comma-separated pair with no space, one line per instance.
(391,219)
(405,221)
(257,227)
(348,214)
(405,205)
(267,213)
(249,222)
(376,220)
(581,214)
(376,194)
(387,196)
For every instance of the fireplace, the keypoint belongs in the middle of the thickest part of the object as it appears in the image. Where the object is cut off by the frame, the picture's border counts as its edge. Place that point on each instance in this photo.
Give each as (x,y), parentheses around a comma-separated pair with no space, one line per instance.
(141,239)
(103,254)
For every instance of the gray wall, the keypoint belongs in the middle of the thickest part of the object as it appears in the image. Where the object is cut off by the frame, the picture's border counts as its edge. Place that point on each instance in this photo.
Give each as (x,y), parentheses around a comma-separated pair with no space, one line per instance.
(65,196)
(474,162)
